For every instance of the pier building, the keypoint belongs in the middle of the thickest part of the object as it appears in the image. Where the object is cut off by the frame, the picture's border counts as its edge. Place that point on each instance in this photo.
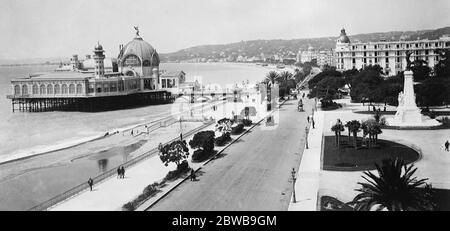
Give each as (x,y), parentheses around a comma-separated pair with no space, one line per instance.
(133,79)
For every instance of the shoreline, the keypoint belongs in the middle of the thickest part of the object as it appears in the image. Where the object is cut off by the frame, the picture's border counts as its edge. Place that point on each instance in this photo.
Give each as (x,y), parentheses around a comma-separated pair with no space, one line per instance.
(70,143)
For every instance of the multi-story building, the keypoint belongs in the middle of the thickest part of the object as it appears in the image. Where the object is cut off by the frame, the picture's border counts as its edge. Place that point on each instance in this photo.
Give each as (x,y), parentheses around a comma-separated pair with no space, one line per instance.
(391,56)
(326,57)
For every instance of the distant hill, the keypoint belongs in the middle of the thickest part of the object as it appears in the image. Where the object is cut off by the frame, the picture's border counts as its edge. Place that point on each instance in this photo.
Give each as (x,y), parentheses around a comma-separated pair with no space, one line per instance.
(285,48)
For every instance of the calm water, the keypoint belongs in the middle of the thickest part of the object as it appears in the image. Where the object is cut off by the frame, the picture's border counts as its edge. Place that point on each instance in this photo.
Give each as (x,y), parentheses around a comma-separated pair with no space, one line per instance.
(22,134)
(25,183)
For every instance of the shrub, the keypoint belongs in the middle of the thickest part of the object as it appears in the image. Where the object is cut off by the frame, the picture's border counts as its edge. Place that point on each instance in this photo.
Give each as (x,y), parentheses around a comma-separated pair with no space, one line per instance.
(181,169)
(237,129)
(148,191)
(247,122)
(200,155)
(445,120)
(432,114)
(128,206)
(223,139)
(203,140)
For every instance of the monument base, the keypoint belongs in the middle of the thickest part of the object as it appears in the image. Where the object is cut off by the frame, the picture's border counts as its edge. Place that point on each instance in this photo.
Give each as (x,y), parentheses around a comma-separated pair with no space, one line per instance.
(411,117)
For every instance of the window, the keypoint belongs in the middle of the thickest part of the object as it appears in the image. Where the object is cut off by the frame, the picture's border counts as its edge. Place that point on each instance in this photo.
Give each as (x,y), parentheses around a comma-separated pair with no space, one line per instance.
(353,53)
(121,85)
(105,87)
(35,89)
(98,88)
(49,89)
(365,53)
(42,89)
(64,89)
(426,52)
(113,87)
(163,83)
(386,53)
(398,46)
(376,60)
(417,45)
(16,90)
(57,89)
(364,47)
(79,89)
(72,88)
(365,60)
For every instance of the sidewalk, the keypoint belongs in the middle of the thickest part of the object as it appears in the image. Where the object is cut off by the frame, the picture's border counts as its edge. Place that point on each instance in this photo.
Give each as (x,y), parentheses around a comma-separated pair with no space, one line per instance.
(308,176)
(111,194)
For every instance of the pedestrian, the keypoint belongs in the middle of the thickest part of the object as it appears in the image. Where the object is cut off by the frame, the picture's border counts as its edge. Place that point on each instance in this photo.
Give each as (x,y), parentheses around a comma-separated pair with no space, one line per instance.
(123,172)
(307,118)
(181,136)
(131,132)
(90,183)
(192,174)
(384,108)
(313,123)
(118,172)
(447,144)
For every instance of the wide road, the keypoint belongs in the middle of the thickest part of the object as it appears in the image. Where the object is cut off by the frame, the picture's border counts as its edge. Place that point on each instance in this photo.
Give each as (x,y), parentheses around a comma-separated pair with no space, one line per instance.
(252,174)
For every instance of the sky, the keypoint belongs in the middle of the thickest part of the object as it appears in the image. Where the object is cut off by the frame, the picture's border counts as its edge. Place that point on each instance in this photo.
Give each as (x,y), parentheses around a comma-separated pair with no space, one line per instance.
(60,28)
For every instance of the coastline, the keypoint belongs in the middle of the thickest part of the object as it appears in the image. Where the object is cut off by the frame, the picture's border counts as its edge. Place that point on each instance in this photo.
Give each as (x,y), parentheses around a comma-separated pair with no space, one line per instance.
(74,142)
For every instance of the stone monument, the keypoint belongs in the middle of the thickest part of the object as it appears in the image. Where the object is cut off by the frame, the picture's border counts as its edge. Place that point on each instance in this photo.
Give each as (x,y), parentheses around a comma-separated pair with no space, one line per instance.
(408,114)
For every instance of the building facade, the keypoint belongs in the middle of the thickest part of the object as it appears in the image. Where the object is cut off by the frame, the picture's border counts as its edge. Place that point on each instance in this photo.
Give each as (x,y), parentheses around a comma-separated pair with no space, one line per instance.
(391,56)
(136,71)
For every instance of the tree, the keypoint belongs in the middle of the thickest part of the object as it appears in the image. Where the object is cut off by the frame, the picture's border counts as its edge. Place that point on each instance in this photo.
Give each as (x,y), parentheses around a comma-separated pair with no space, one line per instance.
(272,77)
(204,143)
(283,78)
(354,127)
(224,125)
(372,128)
(328,87)
(175,152)
(337,129)
(393,190)
(420,70)
(349,75)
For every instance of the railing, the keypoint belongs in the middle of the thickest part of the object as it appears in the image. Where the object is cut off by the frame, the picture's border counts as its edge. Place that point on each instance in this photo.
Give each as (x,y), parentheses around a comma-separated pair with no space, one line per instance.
(79,188)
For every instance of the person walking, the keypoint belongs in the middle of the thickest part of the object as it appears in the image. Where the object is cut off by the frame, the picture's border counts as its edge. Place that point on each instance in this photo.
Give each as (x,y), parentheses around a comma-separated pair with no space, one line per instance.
(90,183)
(122,172)
(447,144)
(307,118)
(118,172)
(192,174)
(313,123)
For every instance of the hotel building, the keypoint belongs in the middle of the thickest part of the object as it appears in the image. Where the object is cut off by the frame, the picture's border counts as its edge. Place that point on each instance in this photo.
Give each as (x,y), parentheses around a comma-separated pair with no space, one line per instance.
(391,56)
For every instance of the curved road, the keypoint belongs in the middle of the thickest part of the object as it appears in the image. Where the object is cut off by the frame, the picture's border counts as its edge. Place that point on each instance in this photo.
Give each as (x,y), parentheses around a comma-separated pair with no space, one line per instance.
(252,174)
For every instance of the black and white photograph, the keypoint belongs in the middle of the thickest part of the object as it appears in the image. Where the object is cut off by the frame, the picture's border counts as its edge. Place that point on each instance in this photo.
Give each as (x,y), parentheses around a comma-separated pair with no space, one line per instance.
(225,105)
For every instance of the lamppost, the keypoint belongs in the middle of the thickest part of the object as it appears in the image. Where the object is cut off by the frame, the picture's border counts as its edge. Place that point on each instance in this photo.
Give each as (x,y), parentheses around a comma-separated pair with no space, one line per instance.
(306,136)
(293,184)
(181,129)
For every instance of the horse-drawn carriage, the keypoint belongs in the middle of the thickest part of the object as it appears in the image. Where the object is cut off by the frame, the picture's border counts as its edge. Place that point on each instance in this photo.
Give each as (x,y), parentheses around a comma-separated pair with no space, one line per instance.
(300,105)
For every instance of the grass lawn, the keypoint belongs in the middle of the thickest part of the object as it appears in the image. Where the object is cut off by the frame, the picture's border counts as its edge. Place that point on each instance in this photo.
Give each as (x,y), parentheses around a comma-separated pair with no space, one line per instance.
(346,158)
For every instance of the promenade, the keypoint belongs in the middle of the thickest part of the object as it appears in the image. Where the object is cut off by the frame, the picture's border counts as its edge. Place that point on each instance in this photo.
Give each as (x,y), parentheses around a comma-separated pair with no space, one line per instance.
(113,193)
(252,174)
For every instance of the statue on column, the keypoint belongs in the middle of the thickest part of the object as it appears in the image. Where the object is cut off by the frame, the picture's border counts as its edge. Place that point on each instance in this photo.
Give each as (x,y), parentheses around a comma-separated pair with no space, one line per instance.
(408,61)
(401,99)
(137,31)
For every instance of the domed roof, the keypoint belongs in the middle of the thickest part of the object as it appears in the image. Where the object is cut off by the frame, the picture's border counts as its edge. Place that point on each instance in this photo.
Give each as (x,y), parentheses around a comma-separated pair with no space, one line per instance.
(98,46)
(142,49)
(343,37)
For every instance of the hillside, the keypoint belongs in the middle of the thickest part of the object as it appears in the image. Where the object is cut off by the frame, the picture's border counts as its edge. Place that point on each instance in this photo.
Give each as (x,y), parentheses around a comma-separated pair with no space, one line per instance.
(286,48)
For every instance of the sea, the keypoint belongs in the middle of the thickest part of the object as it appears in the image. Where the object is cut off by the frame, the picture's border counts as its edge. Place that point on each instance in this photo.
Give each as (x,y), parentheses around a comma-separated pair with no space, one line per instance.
(25,134)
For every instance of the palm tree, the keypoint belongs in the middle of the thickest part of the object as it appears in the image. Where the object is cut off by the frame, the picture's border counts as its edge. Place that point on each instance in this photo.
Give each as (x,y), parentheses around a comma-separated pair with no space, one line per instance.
(354,127)
(392,190)
(337,129)
(283,78)
(372,128)
(272,77)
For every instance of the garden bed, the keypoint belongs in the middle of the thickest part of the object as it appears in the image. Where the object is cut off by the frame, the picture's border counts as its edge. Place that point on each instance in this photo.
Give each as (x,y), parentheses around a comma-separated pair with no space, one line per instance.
(346,158)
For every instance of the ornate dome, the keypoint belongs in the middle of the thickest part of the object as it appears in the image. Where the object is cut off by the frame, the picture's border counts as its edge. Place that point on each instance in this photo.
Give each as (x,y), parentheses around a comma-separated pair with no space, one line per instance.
(98,47)
(143,50)
(343,37)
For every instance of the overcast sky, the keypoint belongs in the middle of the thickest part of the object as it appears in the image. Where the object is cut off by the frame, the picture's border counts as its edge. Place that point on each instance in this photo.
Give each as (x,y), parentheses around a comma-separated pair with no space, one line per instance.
(59,28)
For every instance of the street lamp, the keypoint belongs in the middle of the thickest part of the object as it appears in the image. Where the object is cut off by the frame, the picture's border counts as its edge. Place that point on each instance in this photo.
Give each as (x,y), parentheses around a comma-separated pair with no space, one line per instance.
(293,184)
(306,136)
(181,129)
